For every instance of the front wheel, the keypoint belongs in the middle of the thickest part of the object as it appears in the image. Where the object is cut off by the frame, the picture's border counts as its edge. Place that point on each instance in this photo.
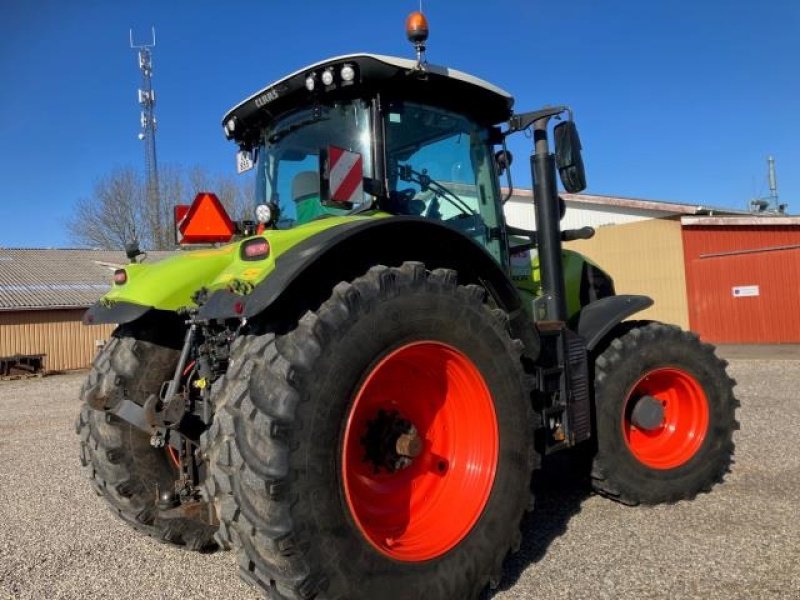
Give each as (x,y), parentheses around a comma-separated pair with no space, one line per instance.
(382,449)
(665,416)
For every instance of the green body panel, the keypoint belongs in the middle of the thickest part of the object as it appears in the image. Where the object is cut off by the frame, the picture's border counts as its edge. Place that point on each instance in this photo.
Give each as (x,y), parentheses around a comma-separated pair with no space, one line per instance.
(528,278)
(170,284)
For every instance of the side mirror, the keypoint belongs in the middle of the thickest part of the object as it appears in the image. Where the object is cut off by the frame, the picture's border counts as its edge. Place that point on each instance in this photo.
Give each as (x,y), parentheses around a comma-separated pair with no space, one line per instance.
(341,177)
(568,157)
(503,160)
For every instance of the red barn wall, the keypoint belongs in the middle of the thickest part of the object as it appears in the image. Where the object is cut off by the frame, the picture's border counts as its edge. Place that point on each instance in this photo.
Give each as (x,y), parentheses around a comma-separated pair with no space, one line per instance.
(743,282)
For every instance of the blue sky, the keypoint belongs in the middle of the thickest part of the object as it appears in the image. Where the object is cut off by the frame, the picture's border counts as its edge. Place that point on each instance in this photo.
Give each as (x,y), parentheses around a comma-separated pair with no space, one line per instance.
(677,100)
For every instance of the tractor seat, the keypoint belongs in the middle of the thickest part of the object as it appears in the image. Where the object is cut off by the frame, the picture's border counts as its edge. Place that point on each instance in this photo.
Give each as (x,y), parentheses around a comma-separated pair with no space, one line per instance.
(305,194)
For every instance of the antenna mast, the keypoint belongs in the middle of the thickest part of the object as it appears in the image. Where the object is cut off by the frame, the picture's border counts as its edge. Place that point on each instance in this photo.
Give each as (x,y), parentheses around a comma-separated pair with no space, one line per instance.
(773,183)
(147,100)
(770,204)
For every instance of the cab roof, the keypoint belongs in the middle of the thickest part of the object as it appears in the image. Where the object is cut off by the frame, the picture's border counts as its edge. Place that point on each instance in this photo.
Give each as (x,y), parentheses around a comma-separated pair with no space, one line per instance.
(393,77)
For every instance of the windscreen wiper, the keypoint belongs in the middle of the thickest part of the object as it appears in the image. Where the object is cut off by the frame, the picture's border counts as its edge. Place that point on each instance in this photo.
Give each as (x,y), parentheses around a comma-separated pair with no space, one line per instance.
(425,182)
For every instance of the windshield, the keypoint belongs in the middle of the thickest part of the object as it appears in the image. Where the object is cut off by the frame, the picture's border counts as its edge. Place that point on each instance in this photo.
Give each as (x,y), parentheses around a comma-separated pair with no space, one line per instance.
(439,167)
(288,162)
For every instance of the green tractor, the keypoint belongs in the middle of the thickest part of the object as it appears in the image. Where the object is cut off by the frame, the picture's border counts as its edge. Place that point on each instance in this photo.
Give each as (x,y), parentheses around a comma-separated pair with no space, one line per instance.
(354,391)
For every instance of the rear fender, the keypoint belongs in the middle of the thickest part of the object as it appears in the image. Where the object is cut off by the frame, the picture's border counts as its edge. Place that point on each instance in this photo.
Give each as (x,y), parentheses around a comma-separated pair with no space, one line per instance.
(118,312)
(305,274)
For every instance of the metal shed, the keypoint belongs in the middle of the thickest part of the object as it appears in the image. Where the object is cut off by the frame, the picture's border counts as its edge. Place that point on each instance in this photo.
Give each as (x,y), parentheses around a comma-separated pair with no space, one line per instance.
(599,211)
(743,278)
(644,257)
(638,242)
(43,295)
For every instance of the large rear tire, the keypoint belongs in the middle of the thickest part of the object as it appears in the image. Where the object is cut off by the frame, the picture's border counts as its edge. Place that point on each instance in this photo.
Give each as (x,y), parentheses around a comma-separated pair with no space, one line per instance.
(122,466)
(308,481)
(665,416)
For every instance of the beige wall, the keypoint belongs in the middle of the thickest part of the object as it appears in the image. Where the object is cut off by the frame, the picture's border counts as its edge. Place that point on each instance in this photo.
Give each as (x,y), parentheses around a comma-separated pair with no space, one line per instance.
(645,257)
(59,334)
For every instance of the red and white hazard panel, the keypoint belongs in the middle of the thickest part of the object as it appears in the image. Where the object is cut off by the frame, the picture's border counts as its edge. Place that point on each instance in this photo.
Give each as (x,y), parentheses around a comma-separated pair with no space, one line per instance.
(346,175)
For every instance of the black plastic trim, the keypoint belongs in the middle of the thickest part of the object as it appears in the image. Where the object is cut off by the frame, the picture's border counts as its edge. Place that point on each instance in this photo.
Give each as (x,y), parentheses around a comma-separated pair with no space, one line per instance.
(595,320)
(118,312)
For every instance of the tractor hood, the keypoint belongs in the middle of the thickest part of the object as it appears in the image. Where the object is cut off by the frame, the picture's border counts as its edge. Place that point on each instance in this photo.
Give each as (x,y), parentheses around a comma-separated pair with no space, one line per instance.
(173,283)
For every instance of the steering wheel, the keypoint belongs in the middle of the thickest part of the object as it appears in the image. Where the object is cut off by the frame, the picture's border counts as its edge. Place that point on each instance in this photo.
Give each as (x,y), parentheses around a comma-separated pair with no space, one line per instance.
(403,202)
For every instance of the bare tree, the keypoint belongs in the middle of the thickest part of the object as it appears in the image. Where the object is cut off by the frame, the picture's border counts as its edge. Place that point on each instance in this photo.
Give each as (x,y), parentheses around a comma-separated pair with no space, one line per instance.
(117,211)
(235,193)
(173,189)
(113,215)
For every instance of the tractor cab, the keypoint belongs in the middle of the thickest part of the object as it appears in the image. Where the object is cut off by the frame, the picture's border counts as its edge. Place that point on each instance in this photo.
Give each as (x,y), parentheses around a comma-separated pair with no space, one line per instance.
(363,132)
(366,134)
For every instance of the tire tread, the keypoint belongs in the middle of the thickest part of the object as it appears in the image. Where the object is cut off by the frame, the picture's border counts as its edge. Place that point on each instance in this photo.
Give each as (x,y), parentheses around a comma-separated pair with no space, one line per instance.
(608,477)
(254,505)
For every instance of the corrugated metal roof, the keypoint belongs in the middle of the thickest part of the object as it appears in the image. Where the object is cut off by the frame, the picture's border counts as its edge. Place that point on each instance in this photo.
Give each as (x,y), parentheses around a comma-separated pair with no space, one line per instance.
(670,208)
(36,278)
(759,220)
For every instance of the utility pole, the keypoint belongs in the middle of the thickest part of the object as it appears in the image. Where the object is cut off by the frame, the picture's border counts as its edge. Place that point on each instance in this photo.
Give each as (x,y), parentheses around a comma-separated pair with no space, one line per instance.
(147,101)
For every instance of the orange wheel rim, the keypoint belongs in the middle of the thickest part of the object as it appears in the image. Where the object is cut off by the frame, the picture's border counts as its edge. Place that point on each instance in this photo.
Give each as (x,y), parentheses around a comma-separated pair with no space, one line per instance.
(418,506)
(685,422)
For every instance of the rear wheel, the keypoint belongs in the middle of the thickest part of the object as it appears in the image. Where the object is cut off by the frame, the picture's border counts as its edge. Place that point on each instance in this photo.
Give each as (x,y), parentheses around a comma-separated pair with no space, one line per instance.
(122,466)
(665,416)
(420,451)
(381,449)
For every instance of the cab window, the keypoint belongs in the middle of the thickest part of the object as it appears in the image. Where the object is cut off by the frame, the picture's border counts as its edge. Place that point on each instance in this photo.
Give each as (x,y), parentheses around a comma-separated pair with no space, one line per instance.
(439,167)
(289,155)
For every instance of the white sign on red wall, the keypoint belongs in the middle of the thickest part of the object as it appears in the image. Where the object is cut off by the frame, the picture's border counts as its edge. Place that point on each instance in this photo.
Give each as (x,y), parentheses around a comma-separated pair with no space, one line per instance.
(745,291)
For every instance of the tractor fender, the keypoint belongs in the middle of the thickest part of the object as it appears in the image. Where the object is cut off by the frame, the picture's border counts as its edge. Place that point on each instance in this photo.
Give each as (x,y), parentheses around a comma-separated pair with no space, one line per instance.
(163,327)
(597,319)
(117,312)
(305,274)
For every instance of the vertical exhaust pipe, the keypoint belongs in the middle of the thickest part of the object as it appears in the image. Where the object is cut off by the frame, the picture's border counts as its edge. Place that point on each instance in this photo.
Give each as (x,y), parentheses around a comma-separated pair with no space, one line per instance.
(548,223)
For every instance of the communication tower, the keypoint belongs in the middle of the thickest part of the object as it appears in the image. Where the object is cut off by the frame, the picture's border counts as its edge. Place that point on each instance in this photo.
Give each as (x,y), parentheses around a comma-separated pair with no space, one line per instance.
(147,119)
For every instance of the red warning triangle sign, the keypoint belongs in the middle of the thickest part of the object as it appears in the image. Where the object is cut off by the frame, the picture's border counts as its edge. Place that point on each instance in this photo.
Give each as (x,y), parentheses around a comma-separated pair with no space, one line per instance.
(206,221)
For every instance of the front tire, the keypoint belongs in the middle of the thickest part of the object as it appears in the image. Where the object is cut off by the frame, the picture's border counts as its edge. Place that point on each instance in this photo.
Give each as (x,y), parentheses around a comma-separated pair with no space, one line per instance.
(665,416)
(307,489)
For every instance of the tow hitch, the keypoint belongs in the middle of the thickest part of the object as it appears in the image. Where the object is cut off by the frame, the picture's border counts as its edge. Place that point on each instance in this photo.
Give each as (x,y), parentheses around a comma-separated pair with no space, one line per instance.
(176,417)
(182,409)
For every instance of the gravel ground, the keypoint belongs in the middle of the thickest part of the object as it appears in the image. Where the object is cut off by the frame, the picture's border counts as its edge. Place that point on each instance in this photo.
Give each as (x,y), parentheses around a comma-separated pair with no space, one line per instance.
(57,540)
